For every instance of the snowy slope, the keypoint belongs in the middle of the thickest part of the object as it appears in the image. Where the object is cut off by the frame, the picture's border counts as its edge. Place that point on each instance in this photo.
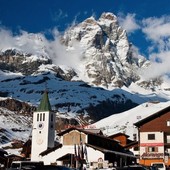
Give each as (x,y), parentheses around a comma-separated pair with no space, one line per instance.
(123,122)
(14,126)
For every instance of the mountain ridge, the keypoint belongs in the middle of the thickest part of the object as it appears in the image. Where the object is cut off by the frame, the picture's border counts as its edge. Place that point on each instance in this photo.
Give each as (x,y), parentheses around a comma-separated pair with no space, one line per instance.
(92,71)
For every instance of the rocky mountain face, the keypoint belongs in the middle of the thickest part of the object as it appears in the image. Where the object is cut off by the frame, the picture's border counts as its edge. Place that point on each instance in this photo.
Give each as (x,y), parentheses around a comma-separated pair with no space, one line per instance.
(89,90)
(15,61)
(18,106)
(108,57)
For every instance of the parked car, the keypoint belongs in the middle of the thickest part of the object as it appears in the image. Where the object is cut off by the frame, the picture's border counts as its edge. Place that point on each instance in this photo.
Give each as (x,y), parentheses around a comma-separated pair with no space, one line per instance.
(53,167)
(151,167)
(18,165)
(132,167)
(159,165)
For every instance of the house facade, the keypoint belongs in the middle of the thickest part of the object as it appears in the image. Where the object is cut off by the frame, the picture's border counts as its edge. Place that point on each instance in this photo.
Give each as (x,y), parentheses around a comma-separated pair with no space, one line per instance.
(128,144)
(121,137)
(82,147)
(154,138)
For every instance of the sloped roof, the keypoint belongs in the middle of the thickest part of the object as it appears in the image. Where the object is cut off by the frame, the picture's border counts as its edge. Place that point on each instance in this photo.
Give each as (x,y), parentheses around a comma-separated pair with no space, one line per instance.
(132,144)
(45,103)
(153,116)
(119,134)
(49,150)
(85,131)
(110,151)
(74,128)
(66,157)
(96,131)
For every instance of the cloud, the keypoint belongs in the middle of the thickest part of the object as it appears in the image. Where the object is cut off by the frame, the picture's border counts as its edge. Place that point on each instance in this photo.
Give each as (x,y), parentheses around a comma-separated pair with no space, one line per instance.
(7,37)
(56,16)
(26,42)
(128,22)
(61,55)
(158,33)
(156,28)
(159,67)
(37,44)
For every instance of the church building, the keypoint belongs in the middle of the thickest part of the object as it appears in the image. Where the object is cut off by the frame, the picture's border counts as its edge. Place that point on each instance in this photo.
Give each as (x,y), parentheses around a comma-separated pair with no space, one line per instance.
(43,132)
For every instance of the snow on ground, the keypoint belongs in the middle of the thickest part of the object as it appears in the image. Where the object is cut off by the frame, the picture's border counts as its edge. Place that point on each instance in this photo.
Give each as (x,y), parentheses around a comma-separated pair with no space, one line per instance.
(11,151)
(14,126)
(8,75)
(123,122)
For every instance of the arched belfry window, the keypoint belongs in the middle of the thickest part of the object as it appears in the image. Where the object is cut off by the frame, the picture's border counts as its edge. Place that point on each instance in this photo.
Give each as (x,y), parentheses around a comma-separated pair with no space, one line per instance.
(43,116)
(37,117)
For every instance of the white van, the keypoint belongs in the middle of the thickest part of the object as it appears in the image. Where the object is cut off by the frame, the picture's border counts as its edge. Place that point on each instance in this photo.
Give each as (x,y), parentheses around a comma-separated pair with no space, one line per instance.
(159,165)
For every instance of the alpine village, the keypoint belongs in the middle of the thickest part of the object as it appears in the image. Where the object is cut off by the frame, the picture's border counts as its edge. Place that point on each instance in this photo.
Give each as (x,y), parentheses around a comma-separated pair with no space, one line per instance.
(85,146)
(81,147)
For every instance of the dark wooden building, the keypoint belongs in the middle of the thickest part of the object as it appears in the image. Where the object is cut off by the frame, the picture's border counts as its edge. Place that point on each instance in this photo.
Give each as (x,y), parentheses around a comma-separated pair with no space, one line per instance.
(154,137)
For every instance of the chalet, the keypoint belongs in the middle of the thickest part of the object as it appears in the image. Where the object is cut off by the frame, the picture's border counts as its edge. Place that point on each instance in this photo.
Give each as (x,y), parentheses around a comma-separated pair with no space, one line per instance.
(82,146)
(154,137)
(127,143)
(122,138)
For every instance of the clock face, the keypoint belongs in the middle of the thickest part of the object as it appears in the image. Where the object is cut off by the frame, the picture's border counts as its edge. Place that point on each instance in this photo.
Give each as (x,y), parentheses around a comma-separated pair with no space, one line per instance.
(40,125)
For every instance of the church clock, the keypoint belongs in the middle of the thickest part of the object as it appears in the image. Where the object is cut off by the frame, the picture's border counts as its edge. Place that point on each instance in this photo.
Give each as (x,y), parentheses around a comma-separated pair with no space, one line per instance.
(40,126)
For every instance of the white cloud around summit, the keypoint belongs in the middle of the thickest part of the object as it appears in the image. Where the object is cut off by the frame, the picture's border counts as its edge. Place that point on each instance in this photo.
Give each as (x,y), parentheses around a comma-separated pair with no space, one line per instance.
(155,29)
(128,22)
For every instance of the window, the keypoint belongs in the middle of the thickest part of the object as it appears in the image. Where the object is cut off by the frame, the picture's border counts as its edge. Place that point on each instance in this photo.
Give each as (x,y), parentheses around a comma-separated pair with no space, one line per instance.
(151,149)
(168,123)
(37,117)
(136,148)
(134,136)
(151,136)
(168,138)
(43,116)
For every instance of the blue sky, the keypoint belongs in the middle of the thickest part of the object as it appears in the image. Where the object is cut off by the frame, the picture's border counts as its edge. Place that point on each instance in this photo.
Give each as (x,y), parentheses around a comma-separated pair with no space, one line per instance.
(146,21)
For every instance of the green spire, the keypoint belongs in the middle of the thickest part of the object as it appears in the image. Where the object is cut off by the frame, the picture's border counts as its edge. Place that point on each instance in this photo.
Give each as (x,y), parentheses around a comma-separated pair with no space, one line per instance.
(44,104)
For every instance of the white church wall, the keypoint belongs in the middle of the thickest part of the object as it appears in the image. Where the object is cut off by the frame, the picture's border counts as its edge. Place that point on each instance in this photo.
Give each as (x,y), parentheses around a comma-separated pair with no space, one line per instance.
(53,156)
(92,155)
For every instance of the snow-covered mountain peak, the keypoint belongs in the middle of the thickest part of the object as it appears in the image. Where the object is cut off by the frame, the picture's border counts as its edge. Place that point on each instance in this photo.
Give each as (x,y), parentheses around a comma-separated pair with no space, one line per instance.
(109,16)
(27,43)
(107,56)
(96,50)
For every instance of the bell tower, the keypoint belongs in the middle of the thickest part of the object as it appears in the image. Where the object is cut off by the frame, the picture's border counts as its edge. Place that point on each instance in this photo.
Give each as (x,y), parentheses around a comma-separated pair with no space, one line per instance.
(43,132)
